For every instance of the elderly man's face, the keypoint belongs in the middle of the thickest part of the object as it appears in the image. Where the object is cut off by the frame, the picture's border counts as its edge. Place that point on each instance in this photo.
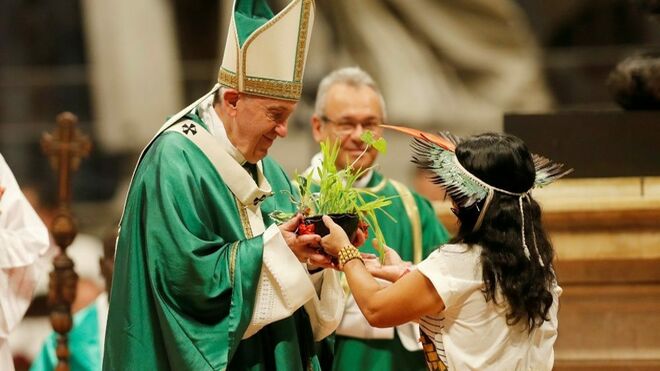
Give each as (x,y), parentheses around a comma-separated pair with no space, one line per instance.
(255,122)
(349,111)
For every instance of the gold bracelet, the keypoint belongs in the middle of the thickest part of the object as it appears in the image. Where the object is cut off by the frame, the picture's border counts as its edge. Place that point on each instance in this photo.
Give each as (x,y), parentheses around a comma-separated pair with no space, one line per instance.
(348,253)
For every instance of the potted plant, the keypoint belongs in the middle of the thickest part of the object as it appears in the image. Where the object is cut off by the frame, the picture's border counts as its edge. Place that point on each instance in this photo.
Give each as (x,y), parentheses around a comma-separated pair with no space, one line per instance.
(336,196)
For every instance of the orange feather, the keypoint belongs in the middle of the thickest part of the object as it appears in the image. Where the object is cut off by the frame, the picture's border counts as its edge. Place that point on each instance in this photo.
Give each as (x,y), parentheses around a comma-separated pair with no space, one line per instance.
(433,138)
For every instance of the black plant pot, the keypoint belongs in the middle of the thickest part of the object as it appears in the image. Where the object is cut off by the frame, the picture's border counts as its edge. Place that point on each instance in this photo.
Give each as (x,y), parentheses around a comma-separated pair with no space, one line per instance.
(348,222)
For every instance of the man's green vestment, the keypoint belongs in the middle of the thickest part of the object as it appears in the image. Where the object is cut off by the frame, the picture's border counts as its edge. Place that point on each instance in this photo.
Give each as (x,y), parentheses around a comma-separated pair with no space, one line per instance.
(186,271)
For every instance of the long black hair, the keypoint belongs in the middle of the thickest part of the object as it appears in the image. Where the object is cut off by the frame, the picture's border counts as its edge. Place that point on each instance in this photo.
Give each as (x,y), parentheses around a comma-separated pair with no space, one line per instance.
(503,161)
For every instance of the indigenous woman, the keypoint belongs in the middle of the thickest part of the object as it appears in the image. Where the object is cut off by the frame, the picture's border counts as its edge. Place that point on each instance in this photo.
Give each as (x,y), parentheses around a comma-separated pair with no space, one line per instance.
(488,300)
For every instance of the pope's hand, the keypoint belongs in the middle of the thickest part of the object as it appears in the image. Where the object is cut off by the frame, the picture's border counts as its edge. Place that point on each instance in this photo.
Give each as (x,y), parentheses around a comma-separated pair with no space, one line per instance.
(305,247)
(359,238)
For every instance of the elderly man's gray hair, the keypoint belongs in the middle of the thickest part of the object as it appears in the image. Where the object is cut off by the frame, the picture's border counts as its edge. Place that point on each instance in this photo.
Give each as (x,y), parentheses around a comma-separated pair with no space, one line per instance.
(351,76)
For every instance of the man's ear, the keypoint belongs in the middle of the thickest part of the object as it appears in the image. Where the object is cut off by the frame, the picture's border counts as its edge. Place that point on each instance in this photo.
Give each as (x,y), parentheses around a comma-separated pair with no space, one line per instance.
(230,99)
(318,131)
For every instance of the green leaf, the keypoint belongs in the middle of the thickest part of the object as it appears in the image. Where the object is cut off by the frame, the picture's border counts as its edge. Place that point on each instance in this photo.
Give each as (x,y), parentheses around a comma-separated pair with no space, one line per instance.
(380,145)
(280,217)
(302,184)
(368,137)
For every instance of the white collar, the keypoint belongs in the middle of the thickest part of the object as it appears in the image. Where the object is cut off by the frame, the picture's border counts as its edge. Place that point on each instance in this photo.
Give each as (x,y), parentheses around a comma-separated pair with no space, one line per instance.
(364,181)
(210,117)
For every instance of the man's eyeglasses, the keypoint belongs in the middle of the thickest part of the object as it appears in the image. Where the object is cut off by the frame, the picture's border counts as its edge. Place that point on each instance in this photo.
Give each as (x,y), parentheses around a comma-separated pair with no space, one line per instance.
(346,127)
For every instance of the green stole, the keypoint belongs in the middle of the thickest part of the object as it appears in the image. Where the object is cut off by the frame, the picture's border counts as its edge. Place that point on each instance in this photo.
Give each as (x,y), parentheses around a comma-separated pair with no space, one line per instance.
(186,272)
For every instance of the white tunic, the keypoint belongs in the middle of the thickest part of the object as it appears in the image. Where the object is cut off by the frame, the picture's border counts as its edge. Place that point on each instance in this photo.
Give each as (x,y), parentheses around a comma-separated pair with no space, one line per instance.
(23,238)
(472,334)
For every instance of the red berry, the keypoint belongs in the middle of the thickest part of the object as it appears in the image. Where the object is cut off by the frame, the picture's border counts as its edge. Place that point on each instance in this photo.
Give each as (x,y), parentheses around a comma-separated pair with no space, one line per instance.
(305,229)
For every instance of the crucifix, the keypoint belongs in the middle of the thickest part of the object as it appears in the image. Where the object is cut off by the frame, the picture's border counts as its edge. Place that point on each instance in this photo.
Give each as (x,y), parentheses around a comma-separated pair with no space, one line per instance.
(64,149)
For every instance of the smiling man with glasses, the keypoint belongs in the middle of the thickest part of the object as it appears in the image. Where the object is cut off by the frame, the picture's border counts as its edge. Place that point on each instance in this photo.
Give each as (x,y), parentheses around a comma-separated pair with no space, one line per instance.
(348,103)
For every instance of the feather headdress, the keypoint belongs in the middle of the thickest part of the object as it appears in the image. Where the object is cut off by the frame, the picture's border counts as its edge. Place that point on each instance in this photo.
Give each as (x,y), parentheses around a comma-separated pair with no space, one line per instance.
(437,154)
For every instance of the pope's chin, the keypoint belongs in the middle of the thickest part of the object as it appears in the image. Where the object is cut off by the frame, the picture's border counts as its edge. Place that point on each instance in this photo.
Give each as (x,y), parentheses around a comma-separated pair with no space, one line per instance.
(260,153)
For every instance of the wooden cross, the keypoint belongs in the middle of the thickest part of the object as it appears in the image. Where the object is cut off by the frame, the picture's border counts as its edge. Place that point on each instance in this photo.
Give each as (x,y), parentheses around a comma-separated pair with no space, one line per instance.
(64,148)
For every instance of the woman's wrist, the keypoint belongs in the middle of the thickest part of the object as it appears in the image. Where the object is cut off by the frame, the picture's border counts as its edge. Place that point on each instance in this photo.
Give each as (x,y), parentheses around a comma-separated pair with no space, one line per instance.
(348,253)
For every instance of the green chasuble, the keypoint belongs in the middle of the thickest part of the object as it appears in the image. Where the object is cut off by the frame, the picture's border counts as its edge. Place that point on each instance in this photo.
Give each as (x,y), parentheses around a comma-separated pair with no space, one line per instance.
(186,273)
(412,212)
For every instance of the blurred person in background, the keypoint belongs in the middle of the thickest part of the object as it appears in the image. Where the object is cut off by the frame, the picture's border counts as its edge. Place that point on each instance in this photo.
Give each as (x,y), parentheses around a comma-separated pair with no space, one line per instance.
(348,103)
(85,251)
(87,335)
(23,240)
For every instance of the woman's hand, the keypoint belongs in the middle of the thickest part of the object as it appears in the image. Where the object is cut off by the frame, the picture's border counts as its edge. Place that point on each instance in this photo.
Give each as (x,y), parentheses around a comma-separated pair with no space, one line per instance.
(336,239)
(392,257)
(393,266)
(386,272)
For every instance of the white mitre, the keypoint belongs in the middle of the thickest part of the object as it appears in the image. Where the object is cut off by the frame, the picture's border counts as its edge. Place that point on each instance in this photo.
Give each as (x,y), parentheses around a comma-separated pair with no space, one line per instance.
(265,53)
